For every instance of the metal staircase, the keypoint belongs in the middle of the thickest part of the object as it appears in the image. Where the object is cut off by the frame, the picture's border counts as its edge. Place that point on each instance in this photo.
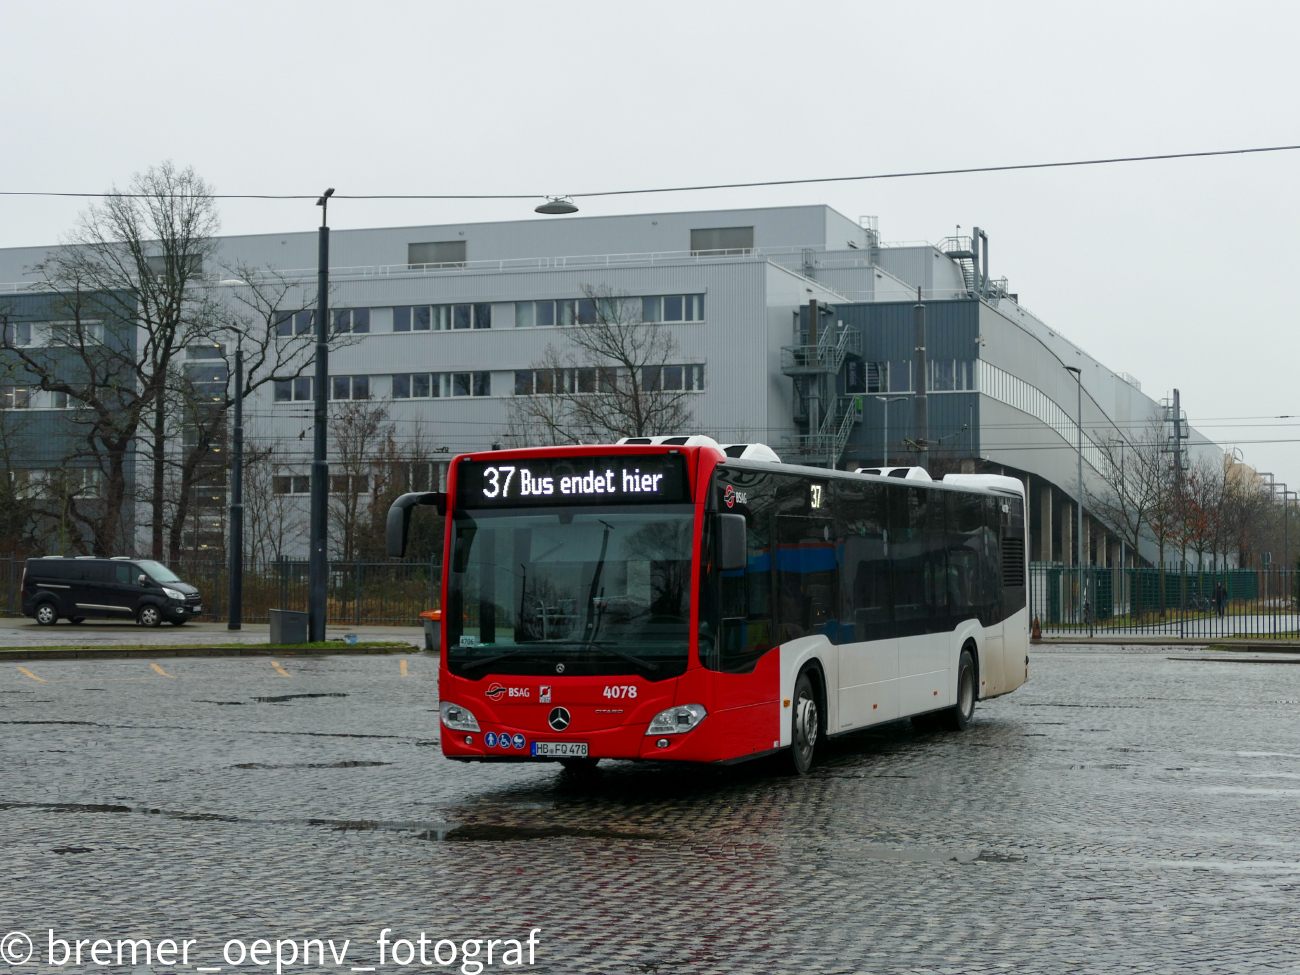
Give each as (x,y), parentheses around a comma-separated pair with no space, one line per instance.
(814,368)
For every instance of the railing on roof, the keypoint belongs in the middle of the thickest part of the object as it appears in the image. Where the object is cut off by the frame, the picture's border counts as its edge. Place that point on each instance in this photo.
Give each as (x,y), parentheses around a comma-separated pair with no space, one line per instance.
(794,255)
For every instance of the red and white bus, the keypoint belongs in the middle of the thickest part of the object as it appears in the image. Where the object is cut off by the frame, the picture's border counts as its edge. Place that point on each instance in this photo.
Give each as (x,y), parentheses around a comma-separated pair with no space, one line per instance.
(671,599)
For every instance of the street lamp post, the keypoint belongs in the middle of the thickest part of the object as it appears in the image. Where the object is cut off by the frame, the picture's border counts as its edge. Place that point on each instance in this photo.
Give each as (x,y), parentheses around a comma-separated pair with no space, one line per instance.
(235,617)
(1078,548)
(884,437)
(317,567)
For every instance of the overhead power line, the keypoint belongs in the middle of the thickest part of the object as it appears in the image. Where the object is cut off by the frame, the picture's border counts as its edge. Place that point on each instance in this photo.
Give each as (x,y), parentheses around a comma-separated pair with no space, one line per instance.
(965,170)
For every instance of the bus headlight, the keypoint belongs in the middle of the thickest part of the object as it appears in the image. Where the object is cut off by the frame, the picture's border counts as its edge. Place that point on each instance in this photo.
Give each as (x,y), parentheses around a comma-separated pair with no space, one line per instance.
(457,718)
(676,720)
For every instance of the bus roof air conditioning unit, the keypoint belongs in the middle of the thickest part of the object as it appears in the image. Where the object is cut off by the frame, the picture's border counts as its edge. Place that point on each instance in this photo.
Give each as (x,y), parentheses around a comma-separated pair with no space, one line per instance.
(751,451)
(677,441)
(906,473)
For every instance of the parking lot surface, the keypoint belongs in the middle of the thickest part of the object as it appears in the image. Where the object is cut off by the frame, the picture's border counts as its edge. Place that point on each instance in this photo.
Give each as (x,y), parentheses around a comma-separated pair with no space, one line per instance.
(1121,812)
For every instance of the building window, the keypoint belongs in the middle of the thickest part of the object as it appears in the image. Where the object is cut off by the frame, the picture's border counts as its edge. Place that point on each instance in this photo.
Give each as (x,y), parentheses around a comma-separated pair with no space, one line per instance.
(439,253)
(59,400)
(15,398)
(951,375)
(354,320)
(291,484)
(672,308)
(722,240)
(413,318)
(349,387)
(686,378)
(287,390)
(294,323)
(349,484)
(206,350)
(424,385)
(18,334)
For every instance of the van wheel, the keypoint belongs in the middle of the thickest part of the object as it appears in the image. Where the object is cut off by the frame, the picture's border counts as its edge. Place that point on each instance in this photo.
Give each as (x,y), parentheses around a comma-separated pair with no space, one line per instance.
(958,717)
(805,726)
(150,616)
(46,614)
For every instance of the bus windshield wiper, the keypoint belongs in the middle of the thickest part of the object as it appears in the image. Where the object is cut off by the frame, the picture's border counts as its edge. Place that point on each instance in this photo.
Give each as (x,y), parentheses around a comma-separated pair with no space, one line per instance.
(527,652)
(523,652)
(609,648)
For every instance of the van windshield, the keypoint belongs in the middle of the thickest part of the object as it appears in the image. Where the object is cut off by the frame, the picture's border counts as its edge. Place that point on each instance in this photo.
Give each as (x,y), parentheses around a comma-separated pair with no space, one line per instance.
(158,572)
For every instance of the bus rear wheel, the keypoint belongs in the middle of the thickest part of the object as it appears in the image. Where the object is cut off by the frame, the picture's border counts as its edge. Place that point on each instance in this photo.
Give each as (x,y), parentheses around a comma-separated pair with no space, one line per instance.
(958,717)
(805,726)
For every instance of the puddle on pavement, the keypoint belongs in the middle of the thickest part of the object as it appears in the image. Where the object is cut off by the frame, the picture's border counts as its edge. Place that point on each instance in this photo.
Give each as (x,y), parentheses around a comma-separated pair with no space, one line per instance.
(500,833)
(293,697)
(346,764)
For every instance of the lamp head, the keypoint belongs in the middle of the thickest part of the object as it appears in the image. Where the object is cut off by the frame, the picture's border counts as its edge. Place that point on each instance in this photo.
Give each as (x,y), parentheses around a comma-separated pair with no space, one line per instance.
(557,205)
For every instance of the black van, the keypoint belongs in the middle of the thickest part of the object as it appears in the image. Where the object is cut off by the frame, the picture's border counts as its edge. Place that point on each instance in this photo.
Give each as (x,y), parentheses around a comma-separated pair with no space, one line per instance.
(120,588)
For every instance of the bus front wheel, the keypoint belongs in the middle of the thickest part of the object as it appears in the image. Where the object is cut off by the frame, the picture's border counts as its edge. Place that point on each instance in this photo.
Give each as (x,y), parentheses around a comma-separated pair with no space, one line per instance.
(958,717)
(805,726)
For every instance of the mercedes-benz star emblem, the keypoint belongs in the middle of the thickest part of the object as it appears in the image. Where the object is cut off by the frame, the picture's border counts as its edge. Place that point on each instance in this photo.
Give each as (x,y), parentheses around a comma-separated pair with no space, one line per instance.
(558,718)
(559,668)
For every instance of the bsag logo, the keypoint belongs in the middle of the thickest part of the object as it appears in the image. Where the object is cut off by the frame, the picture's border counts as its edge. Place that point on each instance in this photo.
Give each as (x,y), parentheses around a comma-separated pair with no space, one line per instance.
(731,496)
(496,692)
(544,694)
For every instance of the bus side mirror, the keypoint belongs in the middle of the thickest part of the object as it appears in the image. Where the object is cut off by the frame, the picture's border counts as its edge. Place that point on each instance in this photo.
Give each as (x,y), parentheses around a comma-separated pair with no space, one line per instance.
(733,542)
(399,518)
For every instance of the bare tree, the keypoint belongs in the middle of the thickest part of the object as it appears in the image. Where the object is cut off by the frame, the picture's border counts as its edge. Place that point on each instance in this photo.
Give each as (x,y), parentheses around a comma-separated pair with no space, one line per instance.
(614,376)
(273,515)
(255,315)
(1129,484)
(357,428)
(127,286)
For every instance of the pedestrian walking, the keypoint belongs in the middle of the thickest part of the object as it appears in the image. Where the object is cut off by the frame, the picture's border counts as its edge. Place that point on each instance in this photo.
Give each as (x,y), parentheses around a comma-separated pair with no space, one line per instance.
(1220,597)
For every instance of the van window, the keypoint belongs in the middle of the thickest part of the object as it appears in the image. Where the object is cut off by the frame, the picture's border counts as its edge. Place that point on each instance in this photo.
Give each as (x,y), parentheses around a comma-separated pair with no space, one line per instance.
(64,569)
(125,574)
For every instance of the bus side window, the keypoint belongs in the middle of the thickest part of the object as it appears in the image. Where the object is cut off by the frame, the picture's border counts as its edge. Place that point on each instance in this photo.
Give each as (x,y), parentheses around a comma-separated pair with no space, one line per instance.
(908,549)
(866,603)
(807,562)
(992,566)
(743,610)
(965,555)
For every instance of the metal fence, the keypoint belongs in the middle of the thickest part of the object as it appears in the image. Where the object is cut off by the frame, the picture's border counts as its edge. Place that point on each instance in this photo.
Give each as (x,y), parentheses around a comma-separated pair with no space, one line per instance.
(357,592)
(1176,601)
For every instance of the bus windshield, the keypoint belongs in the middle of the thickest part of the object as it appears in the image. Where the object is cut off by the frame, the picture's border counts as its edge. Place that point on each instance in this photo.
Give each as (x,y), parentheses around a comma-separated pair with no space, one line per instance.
(592,590)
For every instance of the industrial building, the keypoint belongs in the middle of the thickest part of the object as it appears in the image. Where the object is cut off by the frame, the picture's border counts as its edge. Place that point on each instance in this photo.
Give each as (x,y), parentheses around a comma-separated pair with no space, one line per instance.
(793,327)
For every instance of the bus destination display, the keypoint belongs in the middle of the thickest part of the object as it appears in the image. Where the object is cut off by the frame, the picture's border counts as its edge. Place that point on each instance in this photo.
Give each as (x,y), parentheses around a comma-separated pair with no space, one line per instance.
(546,481)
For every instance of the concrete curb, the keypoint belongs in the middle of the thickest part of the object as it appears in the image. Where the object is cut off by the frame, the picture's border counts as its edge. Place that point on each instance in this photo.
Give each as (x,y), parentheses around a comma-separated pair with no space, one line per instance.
(252,650)
(1255,645)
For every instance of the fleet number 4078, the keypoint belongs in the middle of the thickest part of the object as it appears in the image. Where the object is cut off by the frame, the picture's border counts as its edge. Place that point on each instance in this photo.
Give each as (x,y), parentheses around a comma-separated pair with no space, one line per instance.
(619,691)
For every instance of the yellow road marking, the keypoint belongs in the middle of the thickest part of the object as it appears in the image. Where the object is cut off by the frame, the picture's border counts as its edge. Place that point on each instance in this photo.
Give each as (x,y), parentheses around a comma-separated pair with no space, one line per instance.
(403,668)
(161,671)
(280,670)
(31,675)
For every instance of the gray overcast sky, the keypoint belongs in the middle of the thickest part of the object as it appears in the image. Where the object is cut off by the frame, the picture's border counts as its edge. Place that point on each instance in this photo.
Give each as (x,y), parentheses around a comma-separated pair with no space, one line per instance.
(1181,273)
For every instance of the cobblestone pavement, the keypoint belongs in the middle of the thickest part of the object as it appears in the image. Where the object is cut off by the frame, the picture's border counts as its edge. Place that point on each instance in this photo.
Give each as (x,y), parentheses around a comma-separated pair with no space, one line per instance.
(1121,812)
